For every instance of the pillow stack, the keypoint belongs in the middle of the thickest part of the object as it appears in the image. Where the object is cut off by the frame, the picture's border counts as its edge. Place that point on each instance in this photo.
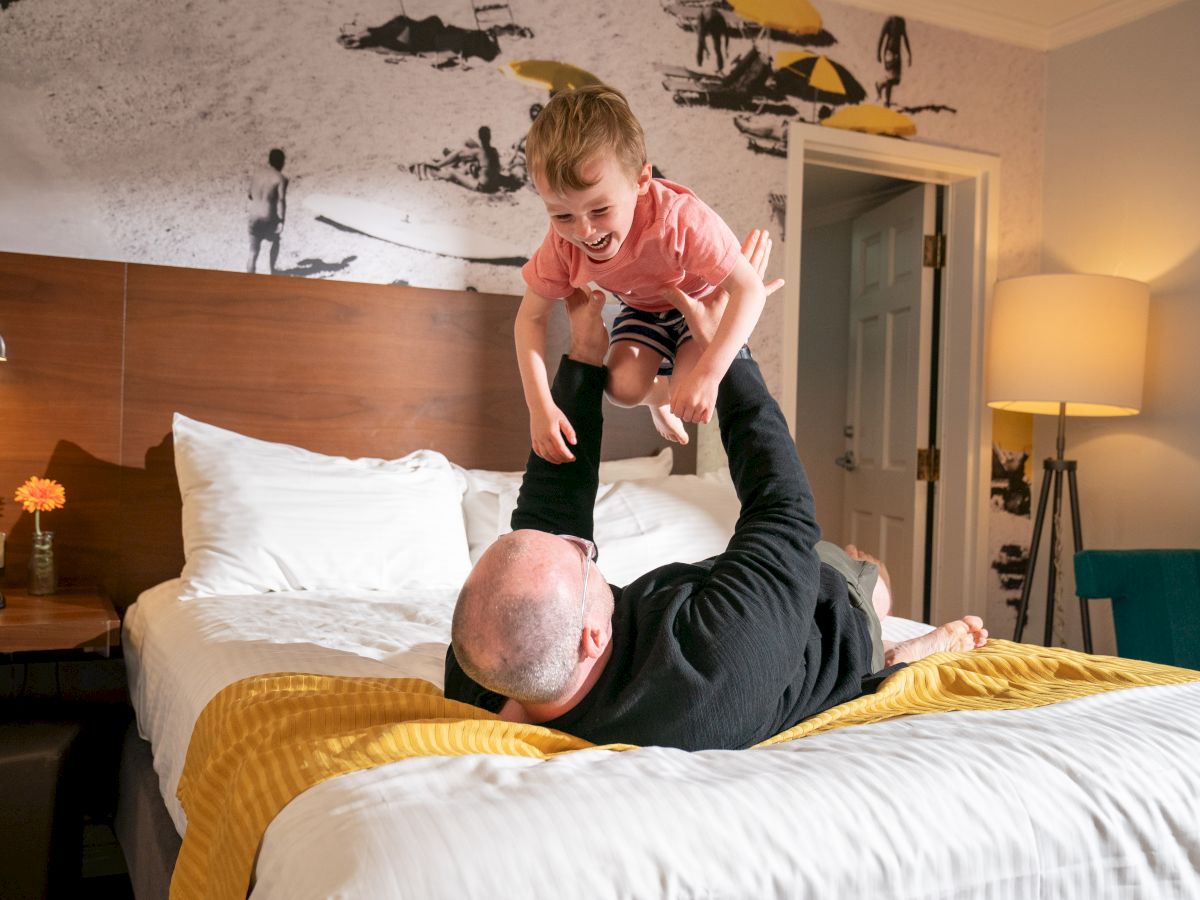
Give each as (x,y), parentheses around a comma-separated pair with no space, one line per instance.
(260,516)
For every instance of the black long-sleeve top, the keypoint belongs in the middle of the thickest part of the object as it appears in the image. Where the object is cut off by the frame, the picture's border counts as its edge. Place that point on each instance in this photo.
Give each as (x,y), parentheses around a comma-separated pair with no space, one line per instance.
(722,653)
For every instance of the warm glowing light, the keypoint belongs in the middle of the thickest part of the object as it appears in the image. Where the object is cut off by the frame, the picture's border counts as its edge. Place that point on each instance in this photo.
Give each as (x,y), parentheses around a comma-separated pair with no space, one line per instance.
(1073,339)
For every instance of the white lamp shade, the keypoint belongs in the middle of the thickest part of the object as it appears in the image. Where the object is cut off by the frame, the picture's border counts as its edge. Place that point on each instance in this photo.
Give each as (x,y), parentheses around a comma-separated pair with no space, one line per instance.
(1073,339)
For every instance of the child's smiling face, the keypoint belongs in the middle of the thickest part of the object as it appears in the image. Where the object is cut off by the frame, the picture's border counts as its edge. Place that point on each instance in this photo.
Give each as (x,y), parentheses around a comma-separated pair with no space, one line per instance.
(596,219)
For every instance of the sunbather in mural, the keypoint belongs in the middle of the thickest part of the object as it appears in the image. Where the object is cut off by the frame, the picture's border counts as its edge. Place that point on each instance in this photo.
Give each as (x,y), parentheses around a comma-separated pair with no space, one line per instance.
(475,166)
(516,169)
(748,85)
(448,44)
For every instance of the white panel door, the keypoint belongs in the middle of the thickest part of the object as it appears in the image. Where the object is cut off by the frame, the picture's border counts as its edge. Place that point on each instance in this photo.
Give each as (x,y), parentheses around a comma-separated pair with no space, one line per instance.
(891,305)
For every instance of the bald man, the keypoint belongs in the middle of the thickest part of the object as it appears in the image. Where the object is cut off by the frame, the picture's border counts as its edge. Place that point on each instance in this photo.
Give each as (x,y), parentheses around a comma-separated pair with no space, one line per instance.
(723,653)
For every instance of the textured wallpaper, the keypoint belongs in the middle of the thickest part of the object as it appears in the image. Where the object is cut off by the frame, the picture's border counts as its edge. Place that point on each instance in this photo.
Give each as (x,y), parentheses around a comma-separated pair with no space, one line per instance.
(141,131)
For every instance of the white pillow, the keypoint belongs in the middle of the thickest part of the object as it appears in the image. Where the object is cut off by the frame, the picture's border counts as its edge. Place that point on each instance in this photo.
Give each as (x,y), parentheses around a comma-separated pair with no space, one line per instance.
(641,525)
(482,489)
(638,468)
(259,516)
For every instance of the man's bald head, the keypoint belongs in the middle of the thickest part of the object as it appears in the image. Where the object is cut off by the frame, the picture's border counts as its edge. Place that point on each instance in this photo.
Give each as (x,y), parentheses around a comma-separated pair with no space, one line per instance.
(518,622)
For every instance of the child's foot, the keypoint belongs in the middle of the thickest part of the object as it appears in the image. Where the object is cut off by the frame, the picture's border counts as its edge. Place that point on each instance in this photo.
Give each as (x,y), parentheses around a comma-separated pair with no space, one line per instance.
(668,424)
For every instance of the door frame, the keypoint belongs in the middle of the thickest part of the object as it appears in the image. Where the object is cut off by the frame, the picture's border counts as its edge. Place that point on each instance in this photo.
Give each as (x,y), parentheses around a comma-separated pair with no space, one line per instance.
(972,227)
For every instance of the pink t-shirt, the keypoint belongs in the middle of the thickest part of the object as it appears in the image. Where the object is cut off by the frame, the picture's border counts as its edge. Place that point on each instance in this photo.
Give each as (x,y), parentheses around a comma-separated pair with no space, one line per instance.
(675,239)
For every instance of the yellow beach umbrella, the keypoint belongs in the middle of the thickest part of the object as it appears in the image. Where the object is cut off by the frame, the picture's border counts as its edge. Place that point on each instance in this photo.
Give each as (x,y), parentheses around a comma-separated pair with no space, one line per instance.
(793,16)
(817,78)
(871,118)
(553,75)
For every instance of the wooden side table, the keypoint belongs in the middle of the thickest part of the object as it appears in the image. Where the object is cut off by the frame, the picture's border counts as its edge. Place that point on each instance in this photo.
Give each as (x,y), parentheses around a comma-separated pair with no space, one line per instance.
(72,619)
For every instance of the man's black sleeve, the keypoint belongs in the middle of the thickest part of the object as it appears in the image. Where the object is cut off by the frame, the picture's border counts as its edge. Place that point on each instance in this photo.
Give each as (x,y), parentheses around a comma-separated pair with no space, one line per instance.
(560,498)
(761,593)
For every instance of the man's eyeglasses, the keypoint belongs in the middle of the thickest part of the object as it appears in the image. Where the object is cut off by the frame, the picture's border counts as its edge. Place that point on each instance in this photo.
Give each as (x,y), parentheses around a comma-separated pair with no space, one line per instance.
(588,549)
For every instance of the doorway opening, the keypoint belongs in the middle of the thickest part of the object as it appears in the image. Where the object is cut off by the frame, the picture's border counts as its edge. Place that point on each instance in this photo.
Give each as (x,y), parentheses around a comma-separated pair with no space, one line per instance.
(867,370)
(849,173)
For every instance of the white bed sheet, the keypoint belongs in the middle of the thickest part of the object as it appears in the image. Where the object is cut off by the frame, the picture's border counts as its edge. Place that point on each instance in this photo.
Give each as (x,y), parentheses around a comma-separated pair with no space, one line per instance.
(1090,798)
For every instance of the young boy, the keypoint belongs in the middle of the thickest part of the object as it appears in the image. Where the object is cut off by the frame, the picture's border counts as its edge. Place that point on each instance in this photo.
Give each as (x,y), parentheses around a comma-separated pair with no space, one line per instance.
(613,224)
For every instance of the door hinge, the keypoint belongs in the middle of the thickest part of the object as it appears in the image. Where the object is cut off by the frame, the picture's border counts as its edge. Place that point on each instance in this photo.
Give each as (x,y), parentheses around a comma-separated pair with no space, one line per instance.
(935,251)
(929,464)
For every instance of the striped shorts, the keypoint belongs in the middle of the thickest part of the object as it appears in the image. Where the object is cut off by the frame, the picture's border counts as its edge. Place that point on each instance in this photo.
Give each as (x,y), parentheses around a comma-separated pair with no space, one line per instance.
(662,332)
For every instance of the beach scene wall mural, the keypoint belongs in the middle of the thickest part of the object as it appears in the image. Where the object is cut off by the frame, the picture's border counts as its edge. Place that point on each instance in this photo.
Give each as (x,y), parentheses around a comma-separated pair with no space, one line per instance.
(383,140)
(146,131)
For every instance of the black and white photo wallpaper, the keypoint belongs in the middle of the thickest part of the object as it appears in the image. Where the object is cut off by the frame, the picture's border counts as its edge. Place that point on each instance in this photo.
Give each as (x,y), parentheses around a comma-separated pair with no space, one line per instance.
(383,140)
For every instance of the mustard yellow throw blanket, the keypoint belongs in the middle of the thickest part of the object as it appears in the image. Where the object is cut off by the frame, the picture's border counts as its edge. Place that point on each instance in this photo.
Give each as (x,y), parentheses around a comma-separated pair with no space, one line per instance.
(263,740)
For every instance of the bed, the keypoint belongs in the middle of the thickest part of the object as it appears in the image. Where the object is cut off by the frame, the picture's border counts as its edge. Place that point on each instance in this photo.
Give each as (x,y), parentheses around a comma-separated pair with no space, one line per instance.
(283,382)
(1086,798)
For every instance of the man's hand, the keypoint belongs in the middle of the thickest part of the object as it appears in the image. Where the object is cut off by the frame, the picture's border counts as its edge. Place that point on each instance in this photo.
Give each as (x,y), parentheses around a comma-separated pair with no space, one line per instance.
(589,337)
(550,431)
(703,316)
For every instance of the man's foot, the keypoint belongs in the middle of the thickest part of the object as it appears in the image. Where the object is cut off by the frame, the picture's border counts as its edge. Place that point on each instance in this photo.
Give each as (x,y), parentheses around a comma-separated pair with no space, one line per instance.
(589,337)
(963,634)
(668,424)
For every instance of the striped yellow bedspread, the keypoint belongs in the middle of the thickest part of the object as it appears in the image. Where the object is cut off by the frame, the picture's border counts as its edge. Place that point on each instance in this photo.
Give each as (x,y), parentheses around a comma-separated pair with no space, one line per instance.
(263,740)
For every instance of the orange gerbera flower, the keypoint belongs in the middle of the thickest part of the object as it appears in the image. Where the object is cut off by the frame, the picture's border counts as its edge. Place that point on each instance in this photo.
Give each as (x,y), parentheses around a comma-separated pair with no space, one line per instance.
(39,495)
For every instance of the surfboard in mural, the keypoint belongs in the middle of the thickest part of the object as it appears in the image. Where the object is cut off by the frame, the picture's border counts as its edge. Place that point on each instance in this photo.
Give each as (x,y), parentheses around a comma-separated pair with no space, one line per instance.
(388,223)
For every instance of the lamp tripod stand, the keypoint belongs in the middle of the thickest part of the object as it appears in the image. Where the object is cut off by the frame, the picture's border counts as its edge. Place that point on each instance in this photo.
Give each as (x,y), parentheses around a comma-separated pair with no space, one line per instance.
(1055,467)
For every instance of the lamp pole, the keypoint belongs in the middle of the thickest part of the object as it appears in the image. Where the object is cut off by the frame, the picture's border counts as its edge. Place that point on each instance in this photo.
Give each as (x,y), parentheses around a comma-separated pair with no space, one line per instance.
(1054,467)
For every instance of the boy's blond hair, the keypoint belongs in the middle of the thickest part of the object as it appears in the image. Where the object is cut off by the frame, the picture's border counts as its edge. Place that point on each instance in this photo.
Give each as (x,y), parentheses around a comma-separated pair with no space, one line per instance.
(574,128)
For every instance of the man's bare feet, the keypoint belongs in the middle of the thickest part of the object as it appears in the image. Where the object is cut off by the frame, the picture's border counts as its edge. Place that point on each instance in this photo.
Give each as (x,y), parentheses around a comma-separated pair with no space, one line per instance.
(589,337)
(960,635)
(669,425)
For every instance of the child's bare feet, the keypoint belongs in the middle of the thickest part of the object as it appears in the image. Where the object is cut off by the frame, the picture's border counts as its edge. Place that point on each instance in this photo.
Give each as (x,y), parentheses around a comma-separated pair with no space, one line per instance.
(669,425)
(960,635)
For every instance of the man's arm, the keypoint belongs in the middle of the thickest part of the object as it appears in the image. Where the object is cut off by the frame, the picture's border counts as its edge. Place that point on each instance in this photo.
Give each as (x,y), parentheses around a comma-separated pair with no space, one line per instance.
(693,398)
(770,566)
(559,498)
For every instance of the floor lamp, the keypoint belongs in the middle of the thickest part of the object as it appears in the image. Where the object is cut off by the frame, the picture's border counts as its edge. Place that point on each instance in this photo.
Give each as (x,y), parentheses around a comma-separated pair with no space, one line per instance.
(1065,345)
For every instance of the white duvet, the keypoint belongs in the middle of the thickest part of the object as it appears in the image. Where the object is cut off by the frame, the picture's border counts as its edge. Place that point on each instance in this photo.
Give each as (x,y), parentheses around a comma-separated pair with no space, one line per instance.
(1097,797)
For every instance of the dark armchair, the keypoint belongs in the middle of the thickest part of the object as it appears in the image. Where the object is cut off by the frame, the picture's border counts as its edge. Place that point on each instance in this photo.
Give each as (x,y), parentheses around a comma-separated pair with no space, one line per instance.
(1155,600)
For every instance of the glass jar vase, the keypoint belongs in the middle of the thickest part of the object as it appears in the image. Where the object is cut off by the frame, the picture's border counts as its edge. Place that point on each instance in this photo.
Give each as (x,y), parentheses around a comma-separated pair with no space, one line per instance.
(43,573)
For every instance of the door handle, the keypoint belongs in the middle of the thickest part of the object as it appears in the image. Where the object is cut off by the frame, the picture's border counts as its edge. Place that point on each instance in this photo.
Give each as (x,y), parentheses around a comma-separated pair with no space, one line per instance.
(846,461)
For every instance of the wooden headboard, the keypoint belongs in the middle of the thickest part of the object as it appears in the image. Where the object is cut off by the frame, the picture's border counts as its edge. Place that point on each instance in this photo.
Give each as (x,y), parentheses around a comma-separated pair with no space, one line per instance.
(102,353)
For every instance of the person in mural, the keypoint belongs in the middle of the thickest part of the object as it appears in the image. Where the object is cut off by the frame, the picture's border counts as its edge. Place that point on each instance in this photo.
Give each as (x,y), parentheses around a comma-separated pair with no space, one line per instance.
(447,45)
(268,208)
(613,223)
(893,35)
(723,653)
(476,166)
(711,25)
(516,169)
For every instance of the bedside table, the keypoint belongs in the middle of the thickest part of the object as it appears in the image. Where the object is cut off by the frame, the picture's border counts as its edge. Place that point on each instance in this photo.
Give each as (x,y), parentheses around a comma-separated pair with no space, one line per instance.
(72,619)
(60,728)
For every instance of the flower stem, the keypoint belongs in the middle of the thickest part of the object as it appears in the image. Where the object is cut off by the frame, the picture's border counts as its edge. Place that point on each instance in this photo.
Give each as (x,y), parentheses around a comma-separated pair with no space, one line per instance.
(37,521)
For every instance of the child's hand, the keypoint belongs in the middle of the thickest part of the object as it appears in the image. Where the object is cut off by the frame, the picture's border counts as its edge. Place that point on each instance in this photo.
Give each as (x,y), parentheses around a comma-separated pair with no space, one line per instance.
(550,431)
(694,397)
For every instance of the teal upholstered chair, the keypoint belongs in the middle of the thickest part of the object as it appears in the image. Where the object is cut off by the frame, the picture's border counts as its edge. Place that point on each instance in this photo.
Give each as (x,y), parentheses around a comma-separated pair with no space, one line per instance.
(1155,600)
